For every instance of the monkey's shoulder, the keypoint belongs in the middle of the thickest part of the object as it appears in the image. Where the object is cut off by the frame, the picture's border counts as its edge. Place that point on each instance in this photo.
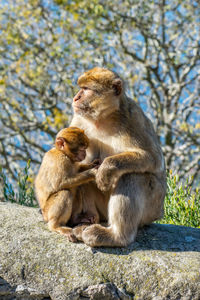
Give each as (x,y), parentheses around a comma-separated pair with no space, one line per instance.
(135,115)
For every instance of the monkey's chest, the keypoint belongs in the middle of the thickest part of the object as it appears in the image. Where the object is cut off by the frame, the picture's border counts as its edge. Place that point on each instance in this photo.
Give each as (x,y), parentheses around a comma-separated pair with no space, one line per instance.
(110,146)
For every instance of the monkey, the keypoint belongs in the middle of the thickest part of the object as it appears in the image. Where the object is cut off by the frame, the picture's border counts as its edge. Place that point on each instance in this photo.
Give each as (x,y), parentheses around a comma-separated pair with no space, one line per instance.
(57,179)
(131,180)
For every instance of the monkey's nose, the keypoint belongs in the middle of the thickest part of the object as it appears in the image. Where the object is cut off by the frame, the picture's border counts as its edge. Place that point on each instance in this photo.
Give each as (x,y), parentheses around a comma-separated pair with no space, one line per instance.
(77,97)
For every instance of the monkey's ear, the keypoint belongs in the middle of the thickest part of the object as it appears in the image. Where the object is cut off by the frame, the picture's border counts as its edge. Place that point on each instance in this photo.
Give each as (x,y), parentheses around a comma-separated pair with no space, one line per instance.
(117,86)
(60,143)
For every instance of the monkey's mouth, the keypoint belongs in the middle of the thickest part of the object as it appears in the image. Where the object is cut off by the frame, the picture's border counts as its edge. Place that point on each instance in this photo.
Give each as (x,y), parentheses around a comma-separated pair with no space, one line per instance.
(81,108)
(77,107)
(79,159)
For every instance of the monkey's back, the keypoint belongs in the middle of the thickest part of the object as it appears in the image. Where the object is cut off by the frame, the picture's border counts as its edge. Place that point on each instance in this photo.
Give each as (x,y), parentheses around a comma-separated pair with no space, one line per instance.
(54,168)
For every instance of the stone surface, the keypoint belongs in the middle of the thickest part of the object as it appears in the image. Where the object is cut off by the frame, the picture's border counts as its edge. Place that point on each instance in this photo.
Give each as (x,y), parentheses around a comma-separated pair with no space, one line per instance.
(163,263)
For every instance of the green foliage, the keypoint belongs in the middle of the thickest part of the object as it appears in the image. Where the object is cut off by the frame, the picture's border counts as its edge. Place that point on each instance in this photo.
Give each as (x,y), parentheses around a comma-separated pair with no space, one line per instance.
(24,194)
(182,204)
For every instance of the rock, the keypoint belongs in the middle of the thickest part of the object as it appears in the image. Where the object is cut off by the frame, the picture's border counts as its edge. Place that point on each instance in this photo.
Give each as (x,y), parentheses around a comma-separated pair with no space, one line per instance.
(163,262)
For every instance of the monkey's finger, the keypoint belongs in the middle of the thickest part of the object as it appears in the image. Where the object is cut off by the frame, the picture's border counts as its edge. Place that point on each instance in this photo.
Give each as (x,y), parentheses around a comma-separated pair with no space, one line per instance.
(85,220)
(97,161)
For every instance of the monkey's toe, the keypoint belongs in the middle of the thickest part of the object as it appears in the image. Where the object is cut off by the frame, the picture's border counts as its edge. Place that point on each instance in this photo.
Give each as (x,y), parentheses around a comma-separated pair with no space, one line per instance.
(78,231)
(71,238)
(99,236)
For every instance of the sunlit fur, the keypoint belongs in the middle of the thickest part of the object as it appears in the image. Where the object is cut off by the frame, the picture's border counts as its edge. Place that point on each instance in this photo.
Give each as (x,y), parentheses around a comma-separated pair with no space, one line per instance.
(74,135)
(132,175)
(99,79)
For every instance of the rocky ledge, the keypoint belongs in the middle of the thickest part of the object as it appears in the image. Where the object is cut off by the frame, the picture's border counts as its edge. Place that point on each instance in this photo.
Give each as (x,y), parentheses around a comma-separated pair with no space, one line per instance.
(163,262)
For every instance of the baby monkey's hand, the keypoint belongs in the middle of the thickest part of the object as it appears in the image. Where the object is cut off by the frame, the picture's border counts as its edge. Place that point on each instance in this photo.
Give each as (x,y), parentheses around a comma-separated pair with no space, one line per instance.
(96,163)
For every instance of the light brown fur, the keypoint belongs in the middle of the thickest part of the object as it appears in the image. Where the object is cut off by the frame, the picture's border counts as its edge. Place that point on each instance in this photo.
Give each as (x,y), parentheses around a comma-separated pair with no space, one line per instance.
(57,179)
(131,179)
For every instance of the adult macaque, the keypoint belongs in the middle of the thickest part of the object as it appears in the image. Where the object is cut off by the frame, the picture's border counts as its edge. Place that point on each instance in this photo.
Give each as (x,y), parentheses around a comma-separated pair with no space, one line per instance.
(132,174)
(58,177)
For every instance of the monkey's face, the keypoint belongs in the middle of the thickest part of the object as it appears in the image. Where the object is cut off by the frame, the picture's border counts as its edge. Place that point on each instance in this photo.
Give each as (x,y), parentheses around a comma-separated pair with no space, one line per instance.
(75,147)
(73,143)
(82,100)
(74,150)
(99,94)
(94,104)
(79,154)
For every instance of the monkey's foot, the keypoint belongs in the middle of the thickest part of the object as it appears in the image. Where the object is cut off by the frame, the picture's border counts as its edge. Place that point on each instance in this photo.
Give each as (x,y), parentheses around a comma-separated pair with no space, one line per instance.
(89,219)
(99,236)
(71,238)
(78,231)
(84,219)
(68,233)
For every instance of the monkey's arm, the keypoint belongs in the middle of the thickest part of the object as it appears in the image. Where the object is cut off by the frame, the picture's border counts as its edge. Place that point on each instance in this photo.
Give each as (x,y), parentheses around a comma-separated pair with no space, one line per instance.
(115,166)
(95,164)
(85,167)
(138,161)
(79,179)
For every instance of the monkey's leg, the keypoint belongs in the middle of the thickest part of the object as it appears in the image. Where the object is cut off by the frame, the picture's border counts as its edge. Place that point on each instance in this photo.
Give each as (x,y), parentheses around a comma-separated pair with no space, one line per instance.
(137,200)
(58,211)
(95,202)
(155,190)
(125,211)
(90,214)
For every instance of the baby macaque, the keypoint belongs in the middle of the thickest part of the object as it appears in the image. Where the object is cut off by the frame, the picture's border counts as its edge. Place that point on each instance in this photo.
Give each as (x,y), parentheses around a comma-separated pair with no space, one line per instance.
(59,175)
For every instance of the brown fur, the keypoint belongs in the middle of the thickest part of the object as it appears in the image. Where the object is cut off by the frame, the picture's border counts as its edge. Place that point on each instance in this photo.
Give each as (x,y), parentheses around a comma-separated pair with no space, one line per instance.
(132,174)
(57,179)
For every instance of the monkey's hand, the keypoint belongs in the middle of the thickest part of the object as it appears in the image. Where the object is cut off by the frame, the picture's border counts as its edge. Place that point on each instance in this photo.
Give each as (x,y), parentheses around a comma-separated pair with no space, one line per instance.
(106,177)
(96,163)
(93,171)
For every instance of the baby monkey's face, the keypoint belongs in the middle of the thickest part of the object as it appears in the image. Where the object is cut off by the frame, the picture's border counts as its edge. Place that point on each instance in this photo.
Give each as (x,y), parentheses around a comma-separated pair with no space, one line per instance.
(80,153)
(73,143)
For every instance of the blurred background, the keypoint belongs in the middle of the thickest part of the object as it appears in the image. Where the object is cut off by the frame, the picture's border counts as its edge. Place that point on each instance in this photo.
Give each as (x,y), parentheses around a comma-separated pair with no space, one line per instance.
(45,45)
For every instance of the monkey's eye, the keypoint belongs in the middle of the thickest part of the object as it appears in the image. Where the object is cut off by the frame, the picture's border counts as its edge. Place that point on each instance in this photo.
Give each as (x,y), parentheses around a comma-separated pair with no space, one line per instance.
(73,148)
(82,144)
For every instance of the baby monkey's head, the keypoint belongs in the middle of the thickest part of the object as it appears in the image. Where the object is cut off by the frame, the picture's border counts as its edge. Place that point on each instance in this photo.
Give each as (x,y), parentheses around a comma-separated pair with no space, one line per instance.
(73,142)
